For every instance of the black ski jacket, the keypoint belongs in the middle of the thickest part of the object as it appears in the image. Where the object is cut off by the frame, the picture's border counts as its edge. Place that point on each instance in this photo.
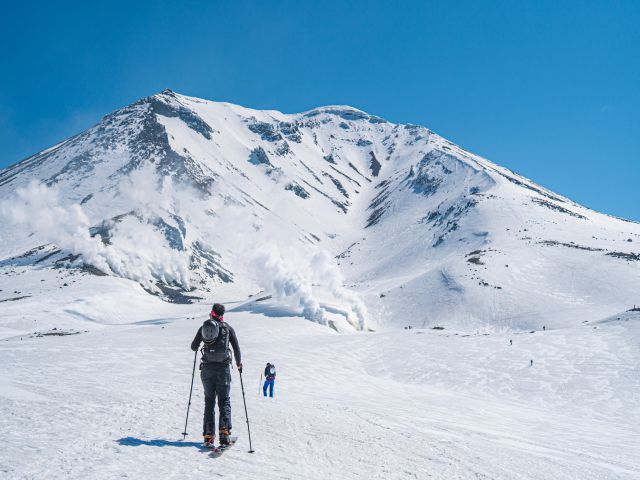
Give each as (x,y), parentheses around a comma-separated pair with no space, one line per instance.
(267,374)
(233,340)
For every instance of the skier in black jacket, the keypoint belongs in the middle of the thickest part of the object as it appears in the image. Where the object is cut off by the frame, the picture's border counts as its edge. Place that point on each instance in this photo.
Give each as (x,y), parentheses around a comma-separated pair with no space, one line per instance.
(215,335)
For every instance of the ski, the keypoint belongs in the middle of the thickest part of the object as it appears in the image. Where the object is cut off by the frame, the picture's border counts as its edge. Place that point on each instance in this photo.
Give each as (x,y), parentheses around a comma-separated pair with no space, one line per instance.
(220,449)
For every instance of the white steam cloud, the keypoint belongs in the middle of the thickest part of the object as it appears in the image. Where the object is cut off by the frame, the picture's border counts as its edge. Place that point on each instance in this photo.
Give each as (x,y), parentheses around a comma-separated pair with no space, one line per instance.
(137,251)
(291,280)
(326,273)
(286,282)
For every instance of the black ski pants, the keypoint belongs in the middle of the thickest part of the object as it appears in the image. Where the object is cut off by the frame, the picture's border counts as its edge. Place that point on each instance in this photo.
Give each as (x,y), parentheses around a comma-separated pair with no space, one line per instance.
(216,380)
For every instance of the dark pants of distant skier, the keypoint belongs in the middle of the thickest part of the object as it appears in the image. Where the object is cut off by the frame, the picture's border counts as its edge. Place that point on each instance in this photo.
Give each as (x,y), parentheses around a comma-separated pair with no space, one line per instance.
(216,380)
(268,383)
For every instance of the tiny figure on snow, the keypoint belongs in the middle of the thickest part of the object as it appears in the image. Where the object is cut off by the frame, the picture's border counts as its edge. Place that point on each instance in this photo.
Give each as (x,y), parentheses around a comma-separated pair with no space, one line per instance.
(510,342)
(215,335)
(269,379)
(544,328)
(531,363)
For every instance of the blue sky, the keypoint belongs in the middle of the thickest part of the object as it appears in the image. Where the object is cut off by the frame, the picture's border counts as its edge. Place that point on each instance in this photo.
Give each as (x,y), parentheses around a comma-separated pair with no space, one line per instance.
(550,89)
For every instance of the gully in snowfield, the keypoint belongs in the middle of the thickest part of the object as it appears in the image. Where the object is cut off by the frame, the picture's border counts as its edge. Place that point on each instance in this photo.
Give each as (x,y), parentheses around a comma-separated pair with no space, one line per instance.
(215,372)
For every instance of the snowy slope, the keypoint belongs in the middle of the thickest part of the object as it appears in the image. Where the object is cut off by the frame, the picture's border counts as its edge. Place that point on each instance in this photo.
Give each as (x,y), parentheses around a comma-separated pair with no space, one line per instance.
(225,198)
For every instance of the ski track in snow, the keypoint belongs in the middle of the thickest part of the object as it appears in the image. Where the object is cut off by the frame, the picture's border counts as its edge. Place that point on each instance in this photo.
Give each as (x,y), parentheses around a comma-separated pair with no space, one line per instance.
(422,404)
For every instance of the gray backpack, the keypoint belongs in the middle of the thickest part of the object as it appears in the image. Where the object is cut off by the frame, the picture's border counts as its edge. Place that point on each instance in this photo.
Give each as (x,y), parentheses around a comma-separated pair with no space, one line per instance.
(210,331)
(215,336)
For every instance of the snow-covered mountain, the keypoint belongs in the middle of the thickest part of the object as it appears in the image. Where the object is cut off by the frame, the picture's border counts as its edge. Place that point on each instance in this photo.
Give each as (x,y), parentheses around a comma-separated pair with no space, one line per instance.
(345,219)
(338,214)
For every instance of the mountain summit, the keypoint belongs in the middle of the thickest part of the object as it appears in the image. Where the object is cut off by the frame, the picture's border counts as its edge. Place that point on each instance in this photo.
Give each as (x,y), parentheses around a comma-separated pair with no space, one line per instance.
(334,212)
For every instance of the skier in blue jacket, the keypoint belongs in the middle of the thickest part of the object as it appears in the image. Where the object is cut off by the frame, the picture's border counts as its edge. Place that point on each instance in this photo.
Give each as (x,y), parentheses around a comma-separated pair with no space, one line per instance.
(269,379)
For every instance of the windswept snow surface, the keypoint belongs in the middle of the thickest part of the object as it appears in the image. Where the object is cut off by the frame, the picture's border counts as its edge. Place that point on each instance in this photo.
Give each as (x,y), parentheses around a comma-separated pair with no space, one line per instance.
(110,403)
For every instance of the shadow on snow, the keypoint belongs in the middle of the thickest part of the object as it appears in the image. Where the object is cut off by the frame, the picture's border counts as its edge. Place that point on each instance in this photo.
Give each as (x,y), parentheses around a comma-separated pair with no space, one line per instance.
(136,442)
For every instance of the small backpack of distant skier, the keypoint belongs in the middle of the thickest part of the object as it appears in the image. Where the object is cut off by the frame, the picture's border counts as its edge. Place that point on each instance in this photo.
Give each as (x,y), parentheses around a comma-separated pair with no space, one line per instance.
(215,336)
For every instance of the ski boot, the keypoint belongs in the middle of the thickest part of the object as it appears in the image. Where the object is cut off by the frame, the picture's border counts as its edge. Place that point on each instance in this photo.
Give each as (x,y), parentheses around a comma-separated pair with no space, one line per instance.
(208,441)
(225,438)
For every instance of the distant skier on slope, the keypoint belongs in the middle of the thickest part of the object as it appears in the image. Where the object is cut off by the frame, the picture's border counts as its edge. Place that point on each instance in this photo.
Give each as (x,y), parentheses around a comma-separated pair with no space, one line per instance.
(269,379)
(215,373)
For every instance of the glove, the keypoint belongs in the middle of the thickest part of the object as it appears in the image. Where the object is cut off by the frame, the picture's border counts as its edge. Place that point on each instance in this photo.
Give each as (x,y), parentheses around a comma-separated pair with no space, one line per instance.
(239,365)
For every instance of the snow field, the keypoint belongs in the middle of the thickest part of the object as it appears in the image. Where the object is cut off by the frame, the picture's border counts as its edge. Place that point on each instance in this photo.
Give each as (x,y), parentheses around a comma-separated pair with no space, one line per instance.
(110,403)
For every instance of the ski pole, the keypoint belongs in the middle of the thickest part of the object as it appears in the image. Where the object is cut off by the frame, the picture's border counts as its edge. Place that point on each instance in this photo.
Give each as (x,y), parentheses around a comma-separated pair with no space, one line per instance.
(184,434)
(246,415)
(260,385)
